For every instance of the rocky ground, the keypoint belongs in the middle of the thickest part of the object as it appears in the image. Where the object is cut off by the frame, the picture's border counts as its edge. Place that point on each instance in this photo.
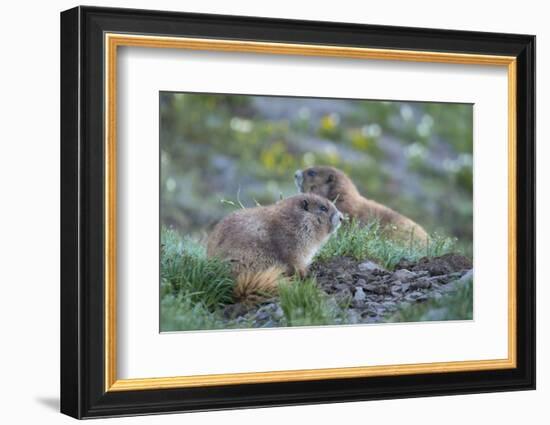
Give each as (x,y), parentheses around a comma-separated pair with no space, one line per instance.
(365,292)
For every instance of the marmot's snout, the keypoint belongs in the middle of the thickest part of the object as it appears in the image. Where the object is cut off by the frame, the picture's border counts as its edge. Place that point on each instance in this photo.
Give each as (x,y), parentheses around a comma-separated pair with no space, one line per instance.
(336,220)
(299,180)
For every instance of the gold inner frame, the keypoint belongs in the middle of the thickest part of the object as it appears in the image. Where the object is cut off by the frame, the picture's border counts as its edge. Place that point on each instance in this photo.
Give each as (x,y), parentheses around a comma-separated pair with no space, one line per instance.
(113,41)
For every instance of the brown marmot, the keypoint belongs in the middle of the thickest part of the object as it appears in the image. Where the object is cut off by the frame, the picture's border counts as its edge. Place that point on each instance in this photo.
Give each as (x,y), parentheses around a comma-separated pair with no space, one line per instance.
(335,185)
(263,243)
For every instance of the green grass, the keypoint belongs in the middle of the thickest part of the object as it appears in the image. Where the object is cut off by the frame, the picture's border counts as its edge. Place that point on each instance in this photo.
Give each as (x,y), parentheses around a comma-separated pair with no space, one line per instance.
(304,304)
(195,289)
(191,284)
(454,306)
(370,242)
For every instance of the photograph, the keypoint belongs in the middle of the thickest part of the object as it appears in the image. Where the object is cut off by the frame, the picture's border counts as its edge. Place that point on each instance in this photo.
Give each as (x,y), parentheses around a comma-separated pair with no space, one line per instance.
(279,211)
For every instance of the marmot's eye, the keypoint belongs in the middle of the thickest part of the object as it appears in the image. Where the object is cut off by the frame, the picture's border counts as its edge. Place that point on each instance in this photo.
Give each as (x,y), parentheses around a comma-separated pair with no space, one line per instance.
(311,173)
(324,209)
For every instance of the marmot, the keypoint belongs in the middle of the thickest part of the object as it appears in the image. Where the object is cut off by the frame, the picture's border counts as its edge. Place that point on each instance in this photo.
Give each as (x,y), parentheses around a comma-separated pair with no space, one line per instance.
(263,243)
(335,185)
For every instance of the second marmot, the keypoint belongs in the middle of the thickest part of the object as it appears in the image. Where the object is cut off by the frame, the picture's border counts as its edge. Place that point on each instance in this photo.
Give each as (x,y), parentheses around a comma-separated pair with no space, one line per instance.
(335,185)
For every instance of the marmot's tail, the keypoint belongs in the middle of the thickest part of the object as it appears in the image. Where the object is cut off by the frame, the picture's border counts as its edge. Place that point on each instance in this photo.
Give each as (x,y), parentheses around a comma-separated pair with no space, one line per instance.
(254,287)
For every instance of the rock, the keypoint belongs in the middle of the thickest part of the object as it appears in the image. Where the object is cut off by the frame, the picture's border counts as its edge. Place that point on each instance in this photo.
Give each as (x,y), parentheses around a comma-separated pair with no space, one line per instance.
(370,287)
(422,283)
(403,275)
(341,287)
(454,285)
(370,266)
(269,324)
(396,285)
(396,290)
(359,294)
(466,277)
(233,311)
(413,296)
(343,277)
(278,313)
(383,289)
(262,315)
(405,264)
(344,294)
(370,294)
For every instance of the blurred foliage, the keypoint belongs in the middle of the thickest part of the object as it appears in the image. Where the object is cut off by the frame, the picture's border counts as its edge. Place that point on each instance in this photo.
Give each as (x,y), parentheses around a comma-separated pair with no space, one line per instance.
(414,157)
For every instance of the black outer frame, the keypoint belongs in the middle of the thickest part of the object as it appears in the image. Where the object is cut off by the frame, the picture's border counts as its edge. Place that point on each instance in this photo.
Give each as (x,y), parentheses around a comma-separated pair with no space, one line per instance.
(82,219)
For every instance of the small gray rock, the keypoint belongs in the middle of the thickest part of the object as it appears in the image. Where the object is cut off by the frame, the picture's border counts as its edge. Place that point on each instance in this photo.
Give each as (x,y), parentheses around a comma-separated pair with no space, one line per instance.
(403,275)
(359,294)
(413,296)
(422,283)
(278,313)
(369,266)
(262,315)
(370,287)
(397,286)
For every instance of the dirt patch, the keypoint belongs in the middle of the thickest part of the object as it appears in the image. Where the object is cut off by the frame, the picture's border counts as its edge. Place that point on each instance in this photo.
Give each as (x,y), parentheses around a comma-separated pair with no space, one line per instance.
(368,292)
(437,266)
(373,292)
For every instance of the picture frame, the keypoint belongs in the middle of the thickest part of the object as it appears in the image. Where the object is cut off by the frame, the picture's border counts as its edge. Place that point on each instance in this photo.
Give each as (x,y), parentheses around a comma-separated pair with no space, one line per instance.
(90,40)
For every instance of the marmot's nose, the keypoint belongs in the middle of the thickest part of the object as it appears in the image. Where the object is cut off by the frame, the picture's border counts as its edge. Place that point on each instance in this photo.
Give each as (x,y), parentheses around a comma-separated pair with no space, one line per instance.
(297,173)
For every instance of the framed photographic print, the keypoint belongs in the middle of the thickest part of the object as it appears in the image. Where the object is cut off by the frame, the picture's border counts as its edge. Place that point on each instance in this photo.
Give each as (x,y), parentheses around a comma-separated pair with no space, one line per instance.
(261,212)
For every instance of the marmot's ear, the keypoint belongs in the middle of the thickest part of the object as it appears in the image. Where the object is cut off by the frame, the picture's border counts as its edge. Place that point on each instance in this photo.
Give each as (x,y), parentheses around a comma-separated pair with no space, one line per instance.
(330,178)
(305,204)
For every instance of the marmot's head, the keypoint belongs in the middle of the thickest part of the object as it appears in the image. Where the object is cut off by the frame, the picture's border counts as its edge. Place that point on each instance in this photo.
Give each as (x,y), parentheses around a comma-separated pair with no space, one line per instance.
(318,212)
(324,181)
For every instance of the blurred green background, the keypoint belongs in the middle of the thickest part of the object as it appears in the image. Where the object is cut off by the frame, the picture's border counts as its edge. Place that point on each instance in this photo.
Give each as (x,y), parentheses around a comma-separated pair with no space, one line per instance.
(415,157)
